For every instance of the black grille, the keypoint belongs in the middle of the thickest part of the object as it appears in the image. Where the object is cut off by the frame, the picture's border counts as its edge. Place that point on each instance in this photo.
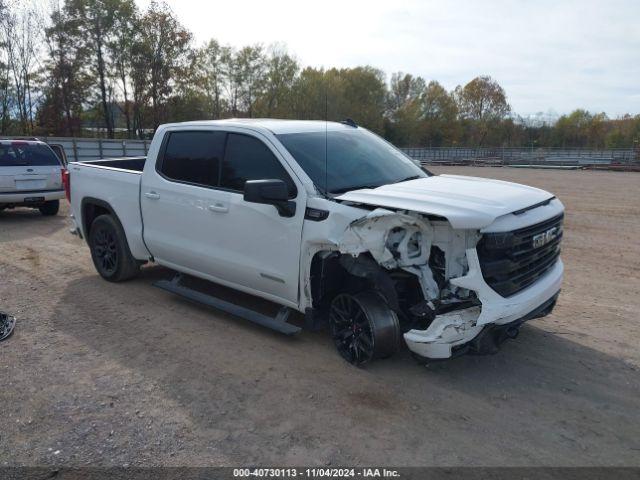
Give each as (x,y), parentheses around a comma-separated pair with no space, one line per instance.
(509,260)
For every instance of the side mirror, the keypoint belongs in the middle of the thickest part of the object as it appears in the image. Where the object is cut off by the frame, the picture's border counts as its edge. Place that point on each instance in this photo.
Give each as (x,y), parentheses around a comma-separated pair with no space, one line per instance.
(270,192)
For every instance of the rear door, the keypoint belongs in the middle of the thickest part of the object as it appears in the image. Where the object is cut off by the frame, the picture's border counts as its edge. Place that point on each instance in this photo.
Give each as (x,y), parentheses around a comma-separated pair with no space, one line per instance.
(177,198)
(29,168)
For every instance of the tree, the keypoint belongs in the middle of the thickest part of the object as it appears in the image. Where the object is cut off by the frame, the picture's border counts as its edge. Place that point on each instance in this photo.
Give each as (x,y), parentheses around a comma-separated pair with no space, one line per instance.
(212,72)
(482,99)
(21,29)
(97,25)
(482,104)
(571,130)
(360,95)
(102,56)
(250,76)
(160,54)
(403,109)
(624,132)
(439,116)
(309,95)
(5,84)
(404,89)
(281,71)
(66,79)
(121,48)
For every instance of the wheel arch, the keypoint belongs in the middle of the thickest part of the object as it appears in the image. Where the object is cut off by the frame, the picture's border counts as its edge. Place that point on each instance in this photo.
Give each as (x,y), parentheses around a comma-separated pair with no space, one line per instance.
(91,209)
(332,272)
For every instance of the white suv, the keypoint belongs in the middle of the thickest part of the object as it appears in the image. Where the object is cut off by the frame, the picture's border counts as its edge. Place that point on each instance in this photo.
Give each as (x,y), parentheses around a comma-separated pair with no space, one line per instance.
(30,176)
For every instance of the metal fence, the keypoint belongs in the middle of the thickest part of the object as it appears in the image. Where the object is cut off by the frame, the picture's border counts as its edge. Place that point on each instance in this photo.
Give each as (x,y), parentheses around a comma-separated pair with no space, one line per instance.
(526,156)
(78,149)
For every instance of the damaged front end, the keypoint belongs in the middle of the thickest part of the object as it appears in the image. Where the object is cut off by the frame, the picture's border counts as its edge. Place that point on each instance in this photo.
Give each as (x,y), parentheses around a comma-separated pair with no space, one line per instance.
(430,277)
(437,315)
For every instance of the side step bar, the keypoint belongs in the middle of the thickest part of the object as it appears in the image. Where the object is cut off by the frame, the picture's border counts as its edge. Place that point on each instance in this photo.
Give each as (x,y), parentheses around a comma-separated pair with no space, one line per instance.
(277,323)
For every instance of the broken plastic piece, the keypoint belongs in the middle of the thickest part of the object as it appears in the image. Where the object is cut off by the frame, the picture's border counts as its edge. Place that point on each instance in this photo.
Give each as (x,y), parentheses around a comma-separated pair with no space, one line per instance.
(7,323)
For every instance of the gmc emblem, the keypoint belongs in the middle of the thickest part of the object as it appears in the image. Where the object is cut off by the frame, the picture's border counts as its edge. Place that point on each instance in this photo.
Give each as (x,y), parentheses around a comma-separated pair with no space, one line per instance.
(543,238)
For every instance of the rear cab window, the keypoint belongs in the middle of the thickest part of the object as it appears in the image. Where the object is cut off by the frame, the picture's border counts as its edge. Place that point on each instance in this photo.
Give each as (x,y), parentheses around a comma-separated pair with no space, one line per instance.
(193,157)
(25,154)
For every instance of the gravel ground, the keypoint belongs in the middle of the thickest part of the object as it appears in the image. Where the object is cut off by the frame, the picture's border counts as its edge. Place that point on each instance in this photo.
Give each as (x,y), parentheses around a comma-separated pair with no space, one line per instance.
(126,374)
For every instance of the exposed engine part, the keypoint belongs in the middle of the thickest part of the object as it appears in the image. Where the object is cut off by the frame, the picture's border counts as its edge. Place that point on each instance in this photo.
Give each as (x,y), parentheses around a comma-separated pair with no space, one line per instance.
(437,263)
(395,240)
(7,324)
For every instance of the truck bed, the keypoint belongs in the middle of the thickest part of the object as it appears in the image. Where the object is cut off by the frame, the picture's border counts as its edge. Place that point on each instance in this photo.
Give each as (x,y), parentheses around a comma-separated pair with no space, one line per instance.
(116,182)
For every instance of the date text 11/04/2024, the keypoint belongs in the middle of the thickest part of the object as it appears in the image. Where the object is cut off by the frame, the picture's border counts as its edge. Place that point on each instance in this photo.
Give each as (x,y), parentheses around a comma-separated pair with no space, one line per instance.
(316,473)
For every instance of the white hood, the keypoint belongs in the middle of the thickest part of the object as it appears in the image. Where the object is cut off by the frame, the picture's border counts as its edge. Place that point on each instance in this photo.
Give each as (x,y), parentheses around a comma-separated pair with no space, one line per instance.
(467,202)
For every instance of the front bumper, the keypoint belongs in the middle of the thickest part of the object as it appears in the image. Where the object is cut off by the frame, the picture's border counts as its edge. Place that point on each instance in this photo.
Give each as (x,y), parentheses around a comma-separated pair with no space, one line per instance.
(492,336)
(26,198)
(450,331)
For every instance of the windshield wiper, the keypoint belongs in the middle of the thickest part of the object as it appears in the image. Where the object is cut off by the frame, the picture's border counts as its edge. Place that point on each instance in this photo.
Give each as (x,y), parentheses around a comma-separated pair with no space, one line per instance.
(360,187)
(414,177)
(356,187)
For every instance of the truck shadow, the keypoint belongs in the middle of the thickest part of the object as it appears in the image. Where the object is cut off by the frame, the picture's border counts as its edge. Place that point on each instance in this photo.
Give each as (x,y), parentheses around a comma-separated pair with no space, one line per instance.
(548,395)
(24,223)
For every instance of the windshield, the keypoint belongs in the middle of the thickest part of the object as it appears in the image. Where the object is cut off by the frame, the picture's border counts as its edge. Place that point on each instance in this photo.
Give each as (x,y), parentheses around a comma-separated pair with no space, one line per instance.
(26,154)
(355,158)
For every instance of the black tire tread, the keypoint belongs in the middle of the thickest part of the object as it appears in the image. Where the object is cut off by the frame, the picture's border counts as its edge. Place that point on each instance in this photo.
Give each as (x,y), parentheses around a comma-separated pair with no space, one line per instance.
(127,266)
(50,208)
(383,322)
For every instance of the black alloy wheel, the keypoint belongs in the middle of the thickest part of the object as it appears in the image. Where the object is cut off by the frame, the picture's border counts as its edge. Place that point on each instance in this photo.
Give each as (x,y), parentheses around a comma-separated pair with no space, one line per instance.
(106,250)
(363,327)
(109,250)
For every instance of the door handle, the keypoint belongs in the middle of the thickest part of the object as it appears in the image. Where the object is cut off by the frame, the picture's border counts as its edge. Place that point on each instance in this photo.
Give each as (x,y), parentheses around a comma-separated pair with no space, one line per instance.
(219,207)
(152,195)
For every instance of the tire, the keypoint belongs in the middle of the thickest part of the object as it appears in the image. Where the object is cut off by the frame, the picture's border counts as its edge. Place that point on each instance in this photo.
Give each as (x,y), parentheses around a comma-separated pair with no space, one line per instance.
(109,250)
(49,209)
(363,327)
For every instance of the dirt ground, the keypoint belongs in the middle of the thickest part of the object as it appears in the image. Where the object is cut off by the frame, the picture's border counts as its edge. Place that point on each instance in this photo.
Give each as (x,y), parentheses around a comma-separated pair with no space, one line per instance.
(127,374)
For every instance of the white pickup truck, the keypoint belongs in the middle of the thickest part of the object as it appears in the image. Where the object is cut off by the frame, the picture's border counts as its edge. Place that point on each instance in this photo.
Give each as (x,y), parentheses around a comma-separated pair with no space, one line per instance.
(330,220)
(30,176)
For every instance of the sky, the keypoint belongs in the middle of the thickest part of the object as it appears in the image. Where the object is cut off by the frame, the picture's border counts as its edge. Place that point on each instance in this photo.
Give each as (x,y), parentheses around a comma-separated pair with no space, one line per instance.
(550,56)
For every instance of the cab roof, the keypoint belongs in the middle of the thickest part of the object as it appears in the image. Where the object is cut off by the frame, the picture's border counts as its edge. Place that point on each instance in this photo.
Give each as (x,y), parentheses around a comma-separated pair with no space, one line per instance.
(275,126)
(20,141)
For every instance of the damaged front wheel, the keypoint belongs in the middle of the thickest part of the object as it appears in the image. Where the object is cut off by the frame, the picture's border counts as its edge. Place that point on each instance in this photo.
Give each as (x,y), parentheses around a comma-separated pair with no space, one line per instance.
(363,327)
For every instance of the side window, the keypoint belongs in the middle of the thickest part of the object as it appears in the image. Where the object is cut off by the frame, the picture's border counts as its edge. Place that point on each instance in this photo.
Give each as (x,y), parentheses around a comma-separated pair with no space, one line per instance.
(193,157)
(247,158)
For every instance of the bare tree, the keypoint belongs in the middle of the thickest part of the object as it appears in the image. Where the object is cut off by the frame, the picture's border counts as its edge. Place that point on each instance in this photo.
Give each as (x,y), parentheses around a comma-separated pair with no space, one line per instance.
(22,27)
(5,71)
